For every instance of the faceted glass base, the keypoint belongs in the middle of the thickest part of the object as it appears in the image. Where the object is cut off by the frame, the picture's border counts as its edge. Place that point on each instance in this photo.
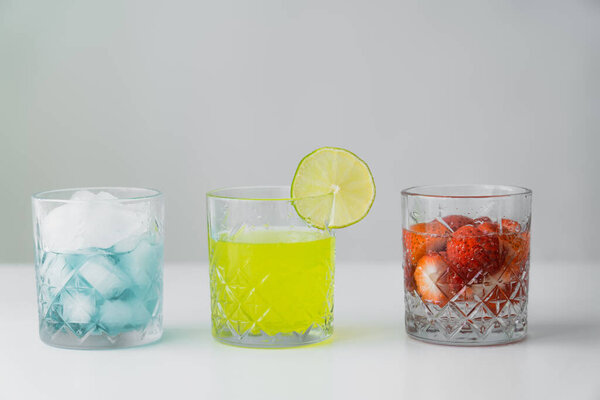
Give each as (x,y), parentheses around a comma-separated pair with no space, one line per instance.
(262,340)
(65,338)
(465,323)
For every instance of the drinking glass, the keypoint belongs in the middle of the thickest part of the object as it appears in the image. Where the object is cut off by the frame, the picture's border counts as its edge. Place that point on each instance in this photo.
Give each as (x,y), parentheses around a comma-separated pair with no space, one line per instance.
(271,272)
(99,266)
(466,263)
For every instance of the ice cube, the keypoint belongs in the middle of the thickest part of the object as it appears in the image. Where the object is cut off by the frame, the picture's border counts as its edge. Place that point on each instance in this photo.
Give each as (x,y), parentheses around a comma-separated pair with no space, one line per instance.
(143,263)
(54,273)
(92,221)
(117,315)
(105,196)
(126,245)
(77,307)
(83,195)
(86,195)
(105,277)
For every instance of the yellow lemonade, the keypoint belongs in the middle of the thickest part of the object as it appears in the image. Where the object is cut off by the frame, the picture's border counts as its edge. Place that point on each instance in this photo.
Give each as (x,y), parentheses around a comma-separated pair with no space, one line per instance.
(272,281)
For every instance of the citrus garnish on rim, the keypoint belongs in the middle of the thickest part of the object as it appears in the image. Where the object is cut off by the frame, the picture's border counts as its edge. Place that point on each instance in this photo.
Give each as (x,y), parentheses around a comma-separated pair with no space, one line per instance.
(340,174)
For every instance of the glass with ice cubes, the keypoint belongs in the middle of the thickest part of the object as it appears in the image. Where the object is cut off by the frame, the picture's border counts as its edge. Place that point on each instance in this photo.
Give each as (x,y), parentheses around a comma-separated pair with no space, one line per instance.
(99,266)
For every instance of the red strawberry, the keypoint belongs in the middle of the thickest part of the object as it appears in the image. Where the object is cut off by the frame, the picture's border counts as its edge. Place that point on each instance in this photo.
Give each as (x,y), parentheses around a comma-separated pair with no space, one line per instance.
(491,283)
(457,221)
(489,228)
(473,252)
(510,226)
(515,251)
(436,282)
(481,220)
(424,238)
(495,287)
(449,283)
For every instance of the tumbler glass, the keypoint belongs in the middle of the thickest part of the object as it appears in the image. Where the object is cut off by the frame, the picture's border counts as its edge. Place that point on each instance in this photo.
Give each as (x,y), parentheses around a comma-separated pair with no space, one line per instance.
(271,272)
(466,263)
(99,266)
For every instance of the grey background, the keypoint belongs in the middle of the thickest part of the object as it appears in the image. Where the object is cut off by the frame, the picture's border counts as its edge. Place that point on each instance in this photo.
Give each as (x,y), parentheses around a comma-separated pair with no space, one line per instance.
(186,96)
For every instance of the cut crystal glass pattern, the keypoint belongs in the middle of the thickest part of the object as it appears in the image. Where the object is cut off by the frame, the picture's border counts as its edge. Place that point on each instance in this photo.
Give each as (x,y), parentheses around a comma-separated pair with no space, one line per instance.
(493,315)
(244,311)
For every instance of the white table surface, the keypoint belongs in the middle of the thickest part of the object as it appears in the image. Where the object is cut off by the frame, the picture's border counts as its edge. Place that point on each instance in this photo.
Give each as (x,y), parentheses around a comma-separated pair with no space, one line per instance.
(368,357)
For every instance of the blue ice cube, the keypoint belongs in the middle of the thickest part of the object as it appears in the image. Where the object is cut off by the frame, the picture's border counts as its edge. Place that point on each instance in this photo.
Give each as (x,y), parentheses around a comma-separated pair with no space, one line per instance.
(53,274)
(105,277)
(126,245)
(96,291)
(142,264)
(77,307)
(120,315)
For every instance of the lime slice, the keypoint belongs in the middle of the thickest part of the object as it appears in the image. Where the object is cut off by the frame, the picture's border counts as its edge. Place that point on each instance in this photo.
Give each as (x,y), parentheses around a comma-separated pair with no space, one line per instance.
(334,188)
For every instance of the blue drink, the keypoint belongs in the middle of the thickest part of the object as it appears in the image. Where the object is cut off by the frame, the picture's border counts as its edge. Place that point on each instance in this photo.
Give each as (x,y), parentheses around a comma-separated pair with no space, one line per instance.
(99,270)
(99,296)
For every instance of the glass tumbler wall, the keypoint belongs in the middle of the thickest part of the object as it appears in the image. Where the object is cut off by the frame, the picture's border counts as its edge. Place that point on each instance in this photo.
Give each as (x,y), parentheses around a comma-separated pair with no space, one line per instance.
(271,273)
(466,263)
(99,266)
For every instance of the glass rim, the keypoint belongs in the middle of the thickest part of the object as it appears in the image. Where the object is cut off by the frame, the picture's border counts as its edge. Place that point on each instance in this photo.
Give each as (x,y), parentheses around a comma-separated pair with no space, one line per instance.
(153,194)
(509,191)
(215,193)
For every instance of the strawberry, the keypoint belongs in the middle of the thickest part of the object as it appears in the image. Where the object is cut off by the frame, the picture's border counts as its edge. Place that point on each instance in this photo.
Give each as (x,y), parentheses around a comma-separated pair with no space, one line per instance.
(481,220)
(436,282)
(424,238)
(449,283)
(515,251)
(457,221)
(472,252)
(486,225)
(489,284)
(489,228)
(510,226)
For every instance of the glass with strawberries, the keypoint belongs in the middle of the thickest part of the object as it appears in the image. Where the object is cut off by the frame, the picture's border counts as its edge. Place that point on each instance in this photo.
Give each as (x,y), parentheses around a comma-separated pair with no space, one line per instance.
(466,263)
